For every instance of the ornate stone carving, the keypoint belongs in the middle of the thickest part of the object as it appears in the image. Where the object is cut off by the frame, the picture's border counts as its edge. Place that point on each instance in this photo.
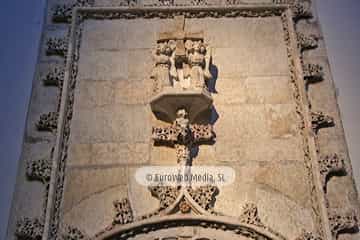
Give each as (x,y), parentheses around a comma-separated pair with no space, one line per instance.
(57,46)
(29,229)
(204,196)
(165,194)
(73,233)
(182,56)
(307,42)
(330,164)
(48,122)
(320,120)
(39,170)
(123,212)
(183,136)
(55,77)
(250,215)
(308,236)
(313,73)
(301,9)
(165,2)
(62,13)
(184,206)
(340,223)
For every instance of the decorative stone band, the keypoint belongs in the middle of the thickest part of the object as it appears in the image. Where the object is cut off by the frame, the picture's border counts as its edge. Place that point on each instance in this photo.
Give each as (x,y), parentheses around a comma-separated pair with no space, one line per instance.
(342,222)
(307,42)
(55,77)
(29,229)
(123,212)
(39,170)
(73,233)
(62,13)
(48,122)
(329,165)
(313,73)
(320,120)
(308,236)
(57,46)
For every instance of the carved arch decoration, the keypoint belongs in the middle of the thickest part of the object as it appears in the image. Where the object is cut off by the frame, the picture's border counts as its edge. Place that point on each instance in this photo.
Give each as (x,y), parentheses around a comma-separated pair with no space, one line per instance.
(51,223)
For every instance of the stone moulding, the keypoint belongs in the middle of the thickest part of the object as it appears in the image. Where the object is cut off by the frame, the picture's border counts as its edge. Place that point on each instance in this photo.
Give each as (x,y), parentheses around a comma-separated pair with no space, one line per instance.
(308,236)
(52,220)
(342,222)
(213,222)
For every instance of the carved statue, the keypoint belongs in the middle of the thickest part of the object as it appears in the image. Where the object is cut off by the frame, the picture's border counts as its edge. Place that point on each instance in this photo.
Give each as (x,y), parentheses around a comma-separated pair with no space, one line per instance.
(199,60)
(163,56)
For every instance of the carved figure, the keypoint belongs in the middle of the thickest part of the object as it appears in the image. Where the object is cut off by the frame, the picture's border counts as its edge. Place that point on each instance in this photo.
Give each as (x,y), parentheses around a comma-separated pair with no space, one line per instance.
(163,56)
(199,61)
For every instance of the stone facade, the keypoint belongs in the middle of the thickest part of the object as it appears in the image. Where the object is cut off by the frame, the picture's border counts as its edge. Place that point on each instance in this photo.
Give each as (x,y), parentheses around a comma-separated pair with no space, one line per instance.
(123,84)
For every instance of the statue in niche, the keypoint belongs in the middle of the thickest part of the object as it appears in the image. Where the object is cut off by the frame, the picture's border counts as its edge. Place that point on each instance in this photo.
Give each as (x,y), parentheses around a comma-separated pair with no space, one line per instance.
(198,58)
(163,72)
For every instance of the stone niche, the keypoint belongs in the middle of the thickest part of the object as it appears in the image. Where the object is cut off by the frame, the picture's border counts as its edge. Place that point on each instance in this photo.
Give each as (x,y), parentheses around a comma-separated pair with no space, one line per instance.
(251,105)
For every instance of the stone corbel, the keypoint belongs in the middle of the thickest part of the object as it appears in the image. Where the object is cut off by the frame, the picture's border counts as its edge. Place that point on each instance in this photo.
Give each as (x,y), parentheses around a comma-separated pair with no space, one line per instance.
(308,236)
(307,42)
(55,77)
(29,228)
(39,170)
(62,13)
(329,165)
(57,46)
(123,212)
(73,233)
(313,73)
(250,215)
(320,120)
(342,222)
(48,122)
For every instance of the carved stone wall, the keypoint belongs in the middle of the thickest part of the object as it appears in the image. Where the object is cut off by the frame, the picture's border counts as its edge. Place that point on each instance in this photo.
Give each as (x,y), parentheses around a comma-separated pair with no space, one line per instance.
(274,120)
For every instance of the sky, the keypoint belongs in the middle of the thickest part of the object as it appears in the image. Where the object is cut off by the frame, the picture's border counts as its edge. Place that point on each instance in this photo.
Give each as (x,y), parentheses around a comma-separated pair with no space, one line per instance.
(19,41)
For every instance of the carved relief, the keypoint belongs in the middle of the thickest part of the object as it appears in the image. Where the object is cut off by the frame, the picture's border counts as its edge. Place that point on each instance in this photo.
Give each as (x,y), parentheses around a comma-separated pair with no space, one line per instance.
(165,194)
(123,212)
(250,215)
(313,73)
(62,13)
(339,223)
(329,165)
(204,196)
(181,57)
(29,229)
(57,46)
(48,122)
(308,236)
(320,120)
(307,42)
(55,77)
(39,170)
(73,233)
(183,136)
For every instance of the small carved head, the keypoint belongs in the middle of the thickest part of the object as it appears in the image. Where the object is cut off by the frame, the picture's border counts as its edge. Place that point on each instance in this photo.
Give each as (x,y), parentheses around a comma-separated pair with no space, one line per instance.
(181,113)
